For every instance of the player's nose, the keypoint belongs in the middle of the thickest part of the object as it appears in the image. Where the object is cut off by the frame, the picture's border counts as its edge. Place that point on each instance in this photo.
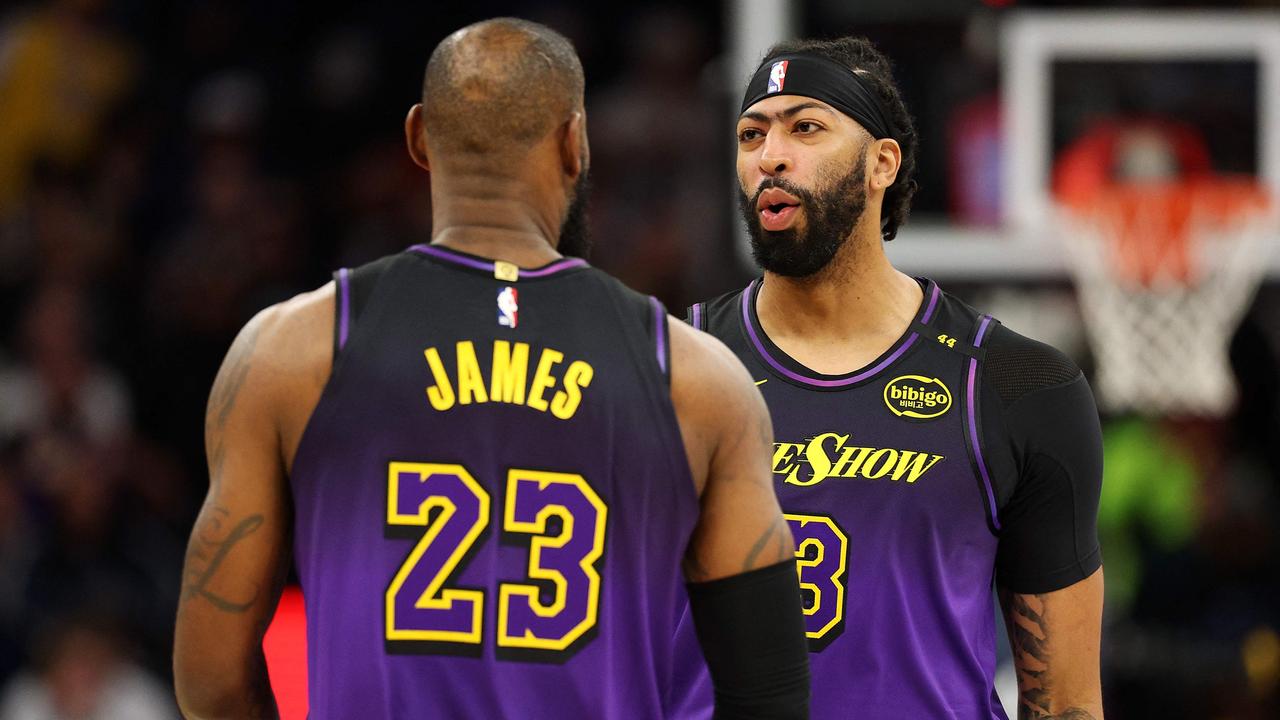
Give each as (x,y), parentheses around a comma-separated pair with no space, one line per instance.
(774,155)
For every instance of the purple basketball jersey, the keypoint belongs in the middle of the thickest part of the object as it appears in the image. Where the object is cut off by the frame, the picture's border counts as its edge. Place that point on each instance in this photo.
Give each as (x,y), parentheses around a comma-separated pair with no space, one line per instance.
(881,478)
(492,497)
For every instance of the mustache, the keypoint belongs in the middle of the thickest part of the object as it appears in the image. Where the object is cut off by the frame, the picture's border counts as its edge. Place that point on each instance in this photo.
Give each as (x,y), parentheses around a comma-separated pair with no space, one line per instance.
(782,184)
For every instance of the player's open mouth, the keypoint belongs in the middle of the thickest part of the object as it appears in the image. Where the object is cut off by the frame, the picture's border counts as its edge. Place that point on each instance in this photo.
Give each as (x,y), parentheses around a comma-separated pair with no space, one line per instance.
(777,208)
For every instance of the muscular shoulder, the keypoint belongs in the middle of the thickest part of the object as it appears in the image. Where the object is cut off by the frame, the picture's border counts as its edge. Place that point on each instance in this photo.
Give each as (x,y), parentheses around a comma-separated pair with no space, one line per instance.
(282,358)
(704,360)
(713,394)
(290,342)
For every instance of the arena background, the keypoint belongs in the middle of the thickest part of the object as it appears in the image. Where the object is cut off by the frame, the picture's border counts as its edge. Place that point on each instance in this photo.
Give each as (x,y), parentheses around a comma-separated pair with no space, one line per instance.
(169,168)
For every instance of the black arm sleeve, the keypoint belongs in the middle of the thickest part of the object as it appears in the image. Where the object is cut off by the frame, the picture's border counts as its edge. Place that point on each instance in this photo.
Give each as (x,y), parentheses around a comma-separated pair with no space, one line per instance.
(751,628)
(1042,425)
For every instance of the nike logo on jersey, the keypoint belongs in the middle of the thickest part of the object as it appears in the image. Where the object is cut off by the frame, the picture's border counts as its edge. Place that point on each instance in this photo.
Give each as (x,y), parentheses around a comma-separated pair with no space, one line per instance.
(761,382)
(829,456)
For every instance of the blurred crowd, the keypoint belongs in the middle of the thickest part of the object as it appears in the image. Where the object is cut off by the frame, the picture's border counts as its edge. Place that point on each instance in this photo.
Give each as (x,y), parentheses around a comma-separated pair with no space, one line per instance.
(168,169)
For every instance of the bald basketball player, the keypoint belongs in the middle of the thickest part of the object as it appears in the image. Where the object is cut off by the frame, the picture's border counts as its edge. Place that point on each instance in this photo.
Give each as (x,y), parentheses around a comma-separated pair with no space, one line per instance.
(923,450)
(489,460)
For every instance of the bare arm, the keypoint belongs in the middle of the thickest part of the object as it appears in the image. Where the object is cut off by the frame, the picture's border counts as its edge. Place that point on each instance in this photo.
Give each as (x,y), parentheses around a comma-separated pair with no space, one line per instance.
(238,554)
(1048,562)
(1055,638)
(729,439)
(741,558)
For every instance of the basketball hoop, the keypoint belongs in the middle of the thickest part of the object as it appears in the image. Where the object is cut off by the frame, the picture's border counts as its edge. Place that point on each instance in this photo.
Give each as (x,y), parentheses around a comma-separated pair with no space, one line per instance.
(1165,271)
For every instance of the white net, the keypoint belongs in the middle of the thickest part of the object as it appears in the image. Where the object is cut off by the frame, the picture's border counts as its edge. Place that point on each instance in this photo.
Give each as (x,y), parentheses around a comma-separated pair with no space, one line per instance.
(1161,340)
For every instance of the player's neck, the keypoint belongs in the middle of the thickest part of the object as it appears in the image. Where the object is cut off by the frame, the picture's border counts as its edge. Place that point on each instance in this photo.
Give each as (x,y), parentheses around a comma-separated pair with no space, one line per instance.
(844,316)
(494,218)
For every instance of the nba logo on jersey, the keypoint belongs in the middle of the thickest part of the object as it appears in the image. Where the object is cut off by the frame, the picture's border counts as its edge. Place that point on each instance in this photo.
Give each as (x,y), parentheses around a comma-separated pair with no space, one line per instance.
(507,307)
(777,76)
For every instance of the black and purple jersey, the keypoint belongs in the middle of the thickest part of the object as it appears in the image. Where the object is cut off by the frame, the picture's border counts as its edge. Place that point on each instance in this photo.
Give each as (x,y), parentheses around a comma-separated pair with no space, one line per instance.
(492,498)
(907,500)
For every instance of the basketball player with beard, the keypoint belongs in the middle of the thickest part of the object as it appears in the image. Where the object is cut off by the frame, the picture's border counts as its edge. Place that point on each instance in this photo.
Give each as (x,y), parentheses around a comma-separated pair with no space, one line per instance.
(494,465)
(922,451)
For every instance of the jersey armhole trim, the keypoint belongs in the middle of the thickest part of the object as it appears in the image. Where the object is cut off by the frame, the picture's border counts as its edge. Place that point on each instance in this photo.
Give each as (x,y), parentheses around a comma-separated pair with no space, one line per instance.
(660,337)
(342,323)
(972,438)
(658,395)
(345,329)
(698,316)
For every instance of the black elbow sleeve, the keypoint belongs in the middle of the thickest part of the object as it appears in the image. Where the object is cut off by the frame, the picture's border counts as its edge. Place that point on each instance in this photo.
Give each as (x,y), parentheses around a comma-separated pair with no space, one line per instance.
(751,628)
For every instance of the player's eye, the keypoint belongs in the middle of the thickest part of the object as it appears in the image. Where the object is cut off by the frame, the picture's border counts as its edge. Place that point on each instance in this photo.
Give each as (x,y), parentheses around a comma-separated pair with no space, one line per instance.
(749,134)
(806,127)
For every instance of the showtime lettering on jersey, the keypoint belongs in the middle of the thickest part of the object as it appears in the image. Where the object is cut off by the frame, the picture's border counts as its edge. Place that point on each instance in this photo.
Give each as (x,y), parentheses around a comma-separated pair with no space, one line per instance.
(830,456)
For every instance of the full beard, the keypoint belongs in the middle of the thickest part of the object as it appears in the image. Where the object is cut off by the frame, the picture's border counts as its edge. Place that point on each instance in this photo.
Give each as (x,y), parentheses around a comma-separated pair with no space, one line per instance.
(575,235)
(831,216)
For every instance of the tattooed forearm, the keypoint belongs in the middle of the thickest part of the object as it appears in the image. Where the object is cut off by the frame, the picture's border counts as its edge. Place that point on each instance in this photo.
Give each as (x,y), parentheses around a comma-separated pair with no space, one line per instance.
(1025,619)
(1028,636)
(209,548)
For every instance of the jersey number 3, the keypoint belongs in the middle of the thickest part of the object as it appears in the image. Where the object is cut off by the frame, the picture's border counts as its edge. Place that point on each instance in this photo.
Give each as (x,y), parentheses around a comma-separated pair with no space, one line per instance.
(822,563)
(543,619)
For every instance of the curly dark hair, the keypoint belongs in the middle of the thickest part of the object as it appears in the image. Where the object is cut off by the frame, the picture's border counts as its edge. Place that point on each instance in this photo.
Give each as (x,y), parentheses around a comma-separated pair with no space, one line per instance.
(858,54)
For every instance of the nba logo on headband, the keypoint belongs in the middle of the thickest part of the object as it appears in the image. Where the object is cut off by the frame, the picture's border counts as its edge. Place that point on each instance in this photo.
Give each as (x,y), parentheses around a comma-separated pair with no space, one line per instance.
(777,76)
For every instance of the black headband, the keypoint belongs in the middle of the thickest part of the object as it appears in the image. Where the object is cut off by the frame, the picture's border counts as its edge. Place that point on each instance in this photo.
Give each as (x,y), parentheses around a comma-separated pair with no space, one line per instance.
(817,77)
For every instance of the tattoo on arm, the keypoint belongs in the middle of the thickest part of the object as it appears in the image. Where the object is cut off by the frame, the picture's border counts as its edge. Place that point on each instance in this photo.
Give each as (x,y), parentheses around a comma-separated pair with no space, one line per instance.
(1069,714)
(771,547)
(209,544)
(1024,616)
(779,546)
(222,399)
(209,549)
(226,386)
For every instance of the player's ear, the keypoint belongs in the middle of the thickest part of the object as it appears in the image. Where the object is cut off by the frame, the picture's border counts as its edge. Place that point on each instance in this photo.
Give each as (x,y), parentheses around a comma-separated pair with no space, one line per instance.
(886,158)
(573,145)
(415,137)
